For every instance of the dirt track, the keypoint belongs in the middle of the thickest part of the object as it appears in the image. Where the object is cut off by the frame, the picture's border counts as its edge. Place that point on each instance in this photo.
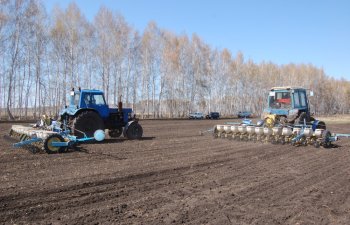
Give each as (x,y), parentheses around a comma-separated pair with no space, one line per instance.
(176,176)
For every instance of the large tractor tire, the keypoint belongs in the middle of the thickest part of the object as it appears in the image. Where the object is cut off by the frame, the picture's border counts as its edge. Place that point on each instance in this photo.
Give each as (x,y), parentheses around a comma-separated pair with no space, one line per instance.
(301,118)
(134,131)
(87,122)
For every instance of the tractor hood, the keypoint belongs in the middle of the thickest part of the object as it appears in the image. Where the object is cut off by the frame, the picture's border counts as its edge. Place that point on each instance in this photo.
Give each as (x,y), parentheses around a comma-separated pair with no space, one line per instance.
(125,110)
(281,112)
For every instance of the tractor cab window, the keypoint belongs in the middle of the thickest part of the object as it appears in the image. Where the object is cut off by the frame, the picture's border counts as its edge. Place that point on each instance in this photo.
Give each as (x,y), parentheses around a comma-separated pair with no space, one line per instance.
(87,99)
(296,99)
(303,99)
(98,99)
(94,99)
(280,100)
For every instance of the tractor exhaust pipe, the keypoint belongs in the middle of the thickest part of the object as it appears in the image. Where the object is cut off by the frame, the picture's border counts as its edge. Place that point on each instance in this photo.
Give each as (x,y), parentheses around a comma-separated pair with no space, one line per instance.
(120,105)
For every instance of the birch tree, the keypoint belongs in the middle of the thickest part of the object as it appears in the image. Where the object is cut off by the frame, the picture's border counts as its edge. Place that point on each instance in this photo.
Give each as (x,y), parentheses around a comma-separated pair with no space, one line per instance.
(15,28)
(150,67)
(105,27)
(158,72)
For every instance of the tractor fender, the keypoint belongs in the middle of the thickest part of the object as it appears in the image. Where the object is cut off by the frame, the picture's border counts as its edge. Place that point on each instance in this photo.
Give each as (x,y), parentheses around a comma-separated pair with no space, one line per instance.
(78,111)
(70,111)
(127,125)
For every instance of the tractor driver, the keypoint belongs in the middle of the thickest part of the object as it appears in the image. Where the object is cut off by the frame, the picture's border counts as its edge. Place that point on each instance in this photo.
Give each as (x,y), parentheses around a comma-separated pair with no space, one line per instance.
(284,100)
(280,100)
(87,100)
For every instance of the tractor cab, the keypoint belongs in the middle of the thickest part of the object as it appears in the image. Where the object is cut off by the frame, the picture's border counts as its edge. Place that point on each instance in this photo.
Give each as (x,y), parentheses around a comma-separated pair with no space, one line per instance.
(88,99)
(94,99)
(289,102)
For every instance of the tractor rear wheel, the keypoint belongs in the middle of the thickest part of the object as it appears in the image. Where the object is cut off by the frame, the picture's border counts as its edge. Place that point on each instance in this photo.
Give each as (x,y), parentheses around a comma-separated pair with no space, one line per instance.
(87,122)
(53,149)
(134,131)
(301,118)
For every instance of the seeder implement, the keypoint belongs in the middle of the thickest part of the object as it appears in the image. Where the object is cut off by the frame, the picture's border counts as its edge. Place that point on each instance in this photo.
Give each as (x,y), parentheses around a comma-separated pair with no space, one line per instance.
(296,135)
(52,139)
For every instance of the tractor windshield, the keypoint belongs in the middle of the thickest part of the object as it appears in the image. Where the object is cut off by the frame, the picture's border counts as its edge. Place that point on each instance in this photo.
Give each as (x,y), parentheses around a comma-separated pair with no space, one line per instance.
(74,98)
(94,99)
(99,99)
(279,100)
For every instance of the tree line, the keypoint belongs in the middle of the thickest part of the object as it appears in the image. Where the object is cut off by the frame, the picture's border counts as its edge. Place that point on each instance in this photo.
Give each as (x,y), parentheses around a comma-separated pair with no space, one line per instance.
(156,72)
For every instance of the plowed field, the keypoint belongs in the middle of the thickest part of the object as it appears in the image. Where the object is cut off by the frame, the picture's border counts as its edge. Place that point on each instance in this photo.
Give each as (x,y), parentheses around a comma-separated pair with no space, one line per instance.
(175,176)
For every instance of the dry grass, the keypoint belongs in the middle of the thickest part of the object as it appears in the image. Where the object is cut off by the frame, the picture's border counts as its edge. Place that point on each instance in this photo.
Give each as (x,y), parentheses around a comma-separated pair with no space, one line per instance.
(335,119)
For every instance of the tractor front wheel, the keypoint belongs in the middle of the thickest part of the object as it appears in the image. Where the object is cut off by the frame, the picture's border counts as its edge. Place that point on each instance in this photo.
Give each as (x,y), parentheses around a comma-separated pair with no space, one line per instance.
(134,131)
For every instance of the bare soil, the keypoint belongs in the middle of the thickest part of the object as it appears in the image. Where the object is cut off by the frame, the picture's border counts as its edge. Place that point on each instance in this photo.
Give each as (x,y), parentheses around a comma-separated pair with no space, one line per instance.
(175,176)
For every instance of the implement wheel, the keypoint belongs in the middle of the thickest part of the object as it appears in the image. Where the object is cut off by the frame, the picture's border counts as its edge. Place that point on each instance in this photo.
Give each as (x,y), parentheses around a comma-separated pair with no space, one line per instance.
(53,149)
(326,134)
(321,125)
(215,133)
(134,131)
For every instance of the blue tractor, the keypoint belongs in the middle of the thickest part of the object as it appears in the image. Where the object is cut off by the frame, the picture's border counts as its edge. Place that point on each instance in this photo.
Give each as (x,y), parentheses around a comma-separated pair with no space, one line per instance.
(88,112)
(290,105)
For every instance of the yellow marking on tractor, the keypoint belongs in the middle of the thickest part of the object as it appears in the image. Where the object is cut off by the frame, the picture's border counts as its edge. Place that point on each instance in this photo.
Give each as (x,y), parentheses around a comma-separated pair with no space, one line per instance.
(270,120)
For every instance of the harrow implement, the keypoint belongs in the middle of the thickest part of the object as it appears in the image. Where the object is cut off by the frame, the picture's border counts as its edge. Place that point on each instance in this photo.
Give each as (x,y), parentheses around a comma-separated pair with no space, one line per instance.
(52,139)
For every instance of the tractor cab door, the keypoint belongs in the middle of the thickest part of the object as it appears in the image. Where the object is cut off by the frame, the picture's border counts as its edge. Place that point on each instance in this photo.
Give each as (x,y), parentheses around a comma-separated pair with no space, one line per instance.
(96,101)
(300,101)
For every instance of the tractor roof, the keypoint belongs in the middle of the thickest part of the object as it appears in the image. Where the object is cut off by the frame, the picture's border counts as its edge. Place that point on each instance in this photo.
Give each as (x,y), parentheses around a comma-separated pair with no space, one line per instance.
(91,91)
(286,88)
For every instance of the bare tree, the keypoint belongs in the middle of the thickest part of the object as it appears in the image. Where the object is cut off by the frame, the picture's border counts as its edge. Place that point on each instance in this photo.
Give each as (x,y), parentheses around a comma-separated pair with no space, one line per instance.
(105,27)
(162,74)
(150,67)
(15,29)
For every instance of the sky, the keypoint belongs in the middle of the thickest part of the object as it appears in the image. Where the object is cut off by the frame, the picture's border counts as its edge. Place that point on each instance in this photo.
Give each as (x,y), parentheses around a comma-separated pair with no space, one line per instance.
(277,31)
